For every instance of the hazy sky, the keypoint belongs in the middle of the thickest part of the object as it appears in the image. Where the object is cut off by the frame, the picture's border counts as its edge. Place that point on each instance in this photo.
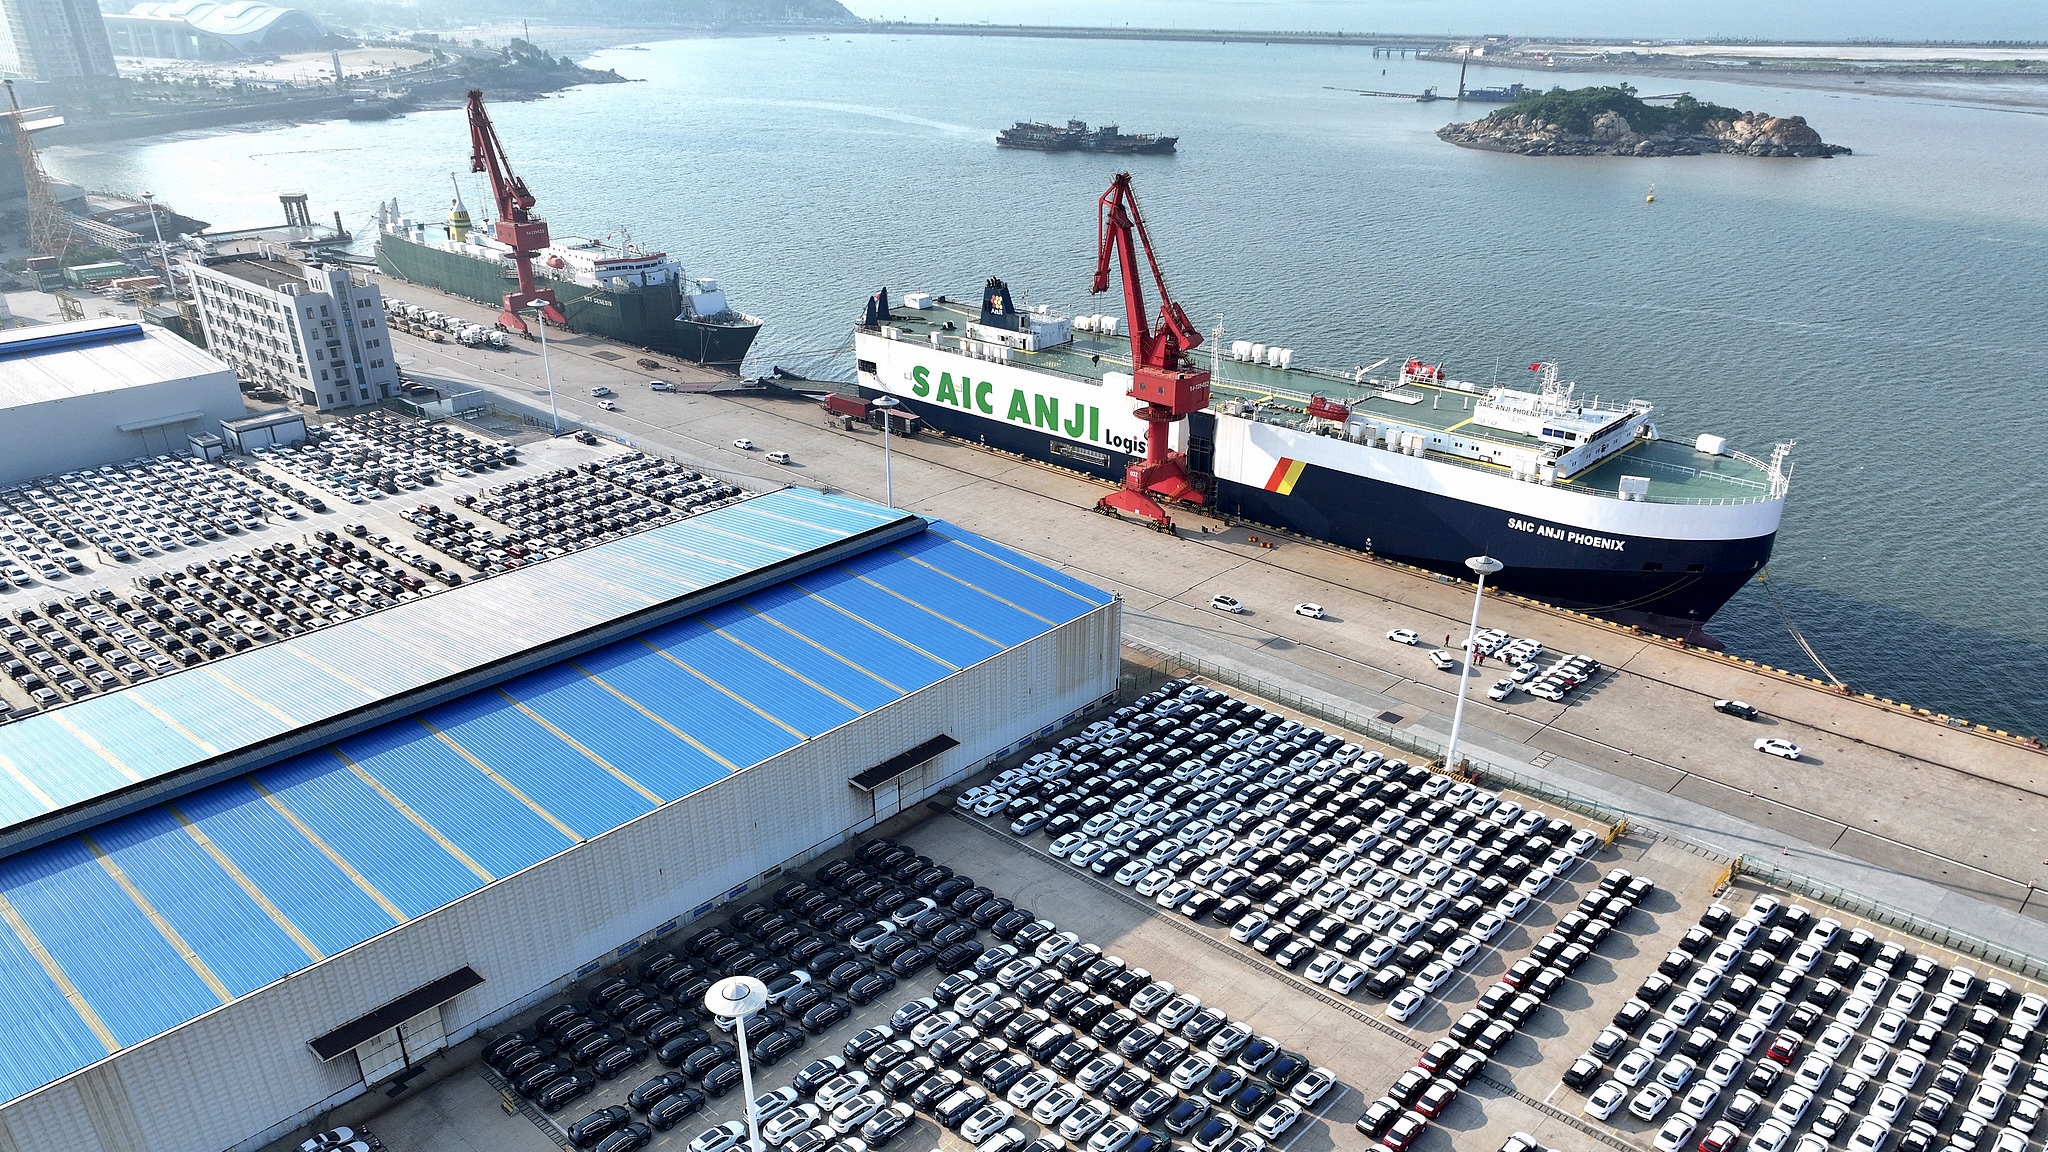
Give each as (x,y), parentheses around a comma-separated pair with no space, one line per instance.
(1764,19)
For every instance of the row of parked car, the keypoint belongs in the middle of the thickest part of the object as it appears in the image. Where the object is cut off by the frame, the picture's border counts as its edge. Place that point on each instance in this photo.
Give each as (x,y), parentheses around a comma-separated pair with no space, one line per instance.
(374,454)
(1058,1032)
(1422,1093)
(138,508)
(1356,871)
(671,483)
(66,649)
(563,510)
(1780,1029)
(830,925)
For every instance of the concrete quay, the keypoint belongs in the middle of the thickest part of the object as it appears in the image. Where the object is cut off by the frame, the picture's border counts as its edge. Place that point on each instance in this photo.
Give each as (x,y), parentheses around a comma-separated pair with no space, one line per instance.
(1943,822)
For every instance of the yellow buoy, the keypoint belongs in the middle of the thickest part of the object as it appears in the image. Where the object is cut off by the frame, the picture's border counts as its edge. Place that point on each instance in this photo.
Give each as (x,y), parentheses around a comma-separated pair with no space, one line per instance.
(1652,197)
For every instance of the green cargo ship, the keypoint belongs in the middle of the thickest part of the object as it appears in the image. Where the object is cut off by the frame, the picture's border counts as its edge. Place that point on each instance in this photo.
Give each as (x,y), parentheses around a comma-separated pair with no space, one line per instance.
(618,293)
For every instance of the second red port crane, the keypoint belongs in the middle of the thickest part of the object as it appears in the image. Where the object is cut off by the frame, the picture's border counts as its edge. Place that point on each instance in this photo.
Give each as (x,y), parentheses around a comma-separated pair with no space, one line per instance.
(1161,378)
(517,227)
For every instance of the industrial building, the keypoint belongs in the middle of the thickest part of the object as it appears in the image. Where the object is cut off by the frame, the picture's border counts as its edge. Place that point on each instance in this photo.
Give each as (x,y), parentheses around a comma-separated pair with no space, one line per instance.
(313,330)
(80,394)
(234,897)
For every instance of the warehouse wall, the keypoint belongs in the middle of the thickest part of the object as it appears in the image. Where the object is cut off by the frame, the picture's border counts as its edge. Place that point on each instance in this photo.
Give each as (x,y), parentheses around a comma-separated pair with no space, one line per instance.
(58,436)
(242,1075)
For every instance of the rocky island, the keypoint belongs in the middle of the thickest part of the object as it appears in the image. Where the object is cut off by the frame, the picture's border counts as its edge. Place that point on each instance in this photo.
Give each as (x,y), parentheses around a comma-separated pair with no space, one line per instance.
(1612,121)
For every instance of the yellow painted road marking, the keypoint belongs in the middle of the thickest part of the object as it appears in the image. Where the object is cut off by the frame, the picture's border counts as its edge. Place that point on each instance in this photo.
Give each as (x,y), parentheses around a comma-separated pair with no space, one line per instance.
(171,722)
(55,972)
(14,771)
(651,796)
(992,557)
(966,583)
(94,746)
(900,691)
(418,820)
(500,781)
(787,670)
(925,608)
(873,627)
(251,697)
(735,697)
(164,928)
(247,885)
(642,709)
(392,910)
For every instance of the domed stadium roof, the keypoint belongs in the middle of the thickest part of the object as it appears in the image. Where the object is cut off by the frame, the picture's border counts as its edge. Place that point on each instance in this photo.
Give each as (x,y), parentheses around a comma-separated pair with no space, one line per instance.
(246,24)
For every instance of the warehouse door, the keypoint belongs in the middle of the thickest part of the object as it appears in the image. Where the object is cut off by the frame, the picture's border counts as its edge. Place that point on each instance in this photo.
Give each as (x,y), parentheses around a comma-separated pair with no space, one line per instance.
(395,1049)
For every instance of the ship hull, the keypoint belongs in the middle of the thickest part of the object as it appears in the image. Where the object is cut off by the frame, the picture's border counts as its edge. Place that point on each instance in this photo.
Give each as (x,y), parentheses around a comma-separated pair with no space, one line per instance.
(1668,567)
(645,317)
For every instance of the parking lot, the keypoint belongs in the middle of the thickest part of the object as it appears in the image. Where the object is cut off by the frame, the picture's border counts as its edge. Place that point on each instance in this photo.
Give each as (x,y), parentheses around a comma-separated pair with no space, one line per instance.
(1348,1035)
(1517,1087)
(1777,1024)
(119,574)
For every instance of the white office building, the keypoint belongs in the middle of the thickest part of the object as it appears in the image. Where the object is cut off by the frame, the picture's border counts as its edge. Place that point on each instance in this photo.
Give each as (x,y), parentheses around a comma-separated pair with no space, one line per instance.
(315,332)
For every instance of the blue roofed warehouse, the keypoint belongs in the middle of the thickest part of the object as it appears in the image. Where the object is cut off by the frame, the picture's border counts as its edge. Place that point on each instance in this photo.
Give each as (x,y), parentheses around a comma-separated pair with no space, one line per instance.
(234,897)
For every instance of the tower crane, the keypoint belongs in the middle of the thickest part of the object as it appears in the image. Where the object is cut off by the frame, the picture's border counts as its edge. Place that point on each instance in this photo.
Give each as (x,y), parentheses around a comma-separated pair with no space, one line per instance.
(516,226)
(1162,379)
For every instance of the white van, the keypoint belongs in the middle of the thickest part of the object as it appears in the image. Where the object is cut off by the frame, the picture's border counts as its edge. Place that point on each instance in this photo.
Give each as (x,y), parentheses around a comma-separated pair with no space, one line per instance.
(660,386)
(778,457)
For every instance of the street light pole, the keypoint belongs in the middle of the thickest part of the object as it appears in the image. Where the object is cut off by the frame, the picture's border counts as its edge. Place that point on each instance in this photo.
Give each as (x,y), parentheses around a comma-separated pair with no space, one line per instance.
(888,405)
(547,370)
(1485,566)
(735,998)
(162,253)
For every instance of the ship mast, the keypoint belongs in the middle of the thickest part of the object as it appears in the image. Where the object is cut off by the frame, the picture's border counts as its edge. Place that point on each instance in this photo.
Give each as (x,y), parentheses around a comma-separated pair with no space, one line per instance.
(1162,380)
(516,227)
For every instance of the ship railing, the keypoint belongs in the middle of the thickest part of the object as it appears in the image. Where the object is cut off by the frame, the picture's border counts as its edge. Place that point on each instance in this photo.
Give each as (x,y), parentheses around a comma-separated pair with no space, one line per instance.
(1147,666)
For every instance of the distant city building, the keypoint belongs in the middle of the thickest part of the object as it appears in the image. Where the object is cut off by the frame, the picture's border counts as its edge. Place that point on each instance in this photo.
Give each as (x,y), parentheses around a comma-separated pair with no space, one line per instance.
(205,30)
(60,44)
(89,392)
(313,331)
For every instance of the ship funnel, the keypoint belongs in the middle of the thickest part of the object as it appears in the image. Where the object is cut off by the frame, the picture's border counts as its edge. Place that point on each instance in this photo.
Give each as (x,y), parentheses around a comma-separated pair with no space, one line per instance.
(458,214)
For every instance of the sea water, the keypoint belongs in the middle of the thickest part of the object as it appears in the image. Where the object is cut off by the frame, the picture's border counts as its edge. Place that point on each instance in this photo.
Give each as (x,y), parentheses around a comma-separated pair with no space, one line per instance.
(1884,309)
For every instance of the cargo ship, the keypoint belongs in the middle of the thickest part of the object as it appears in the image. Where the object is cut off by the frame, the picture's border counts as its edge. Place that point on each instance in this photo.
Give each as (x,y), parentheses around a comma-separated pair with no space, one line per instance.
(1585,501)
(1077,136)
(617,291)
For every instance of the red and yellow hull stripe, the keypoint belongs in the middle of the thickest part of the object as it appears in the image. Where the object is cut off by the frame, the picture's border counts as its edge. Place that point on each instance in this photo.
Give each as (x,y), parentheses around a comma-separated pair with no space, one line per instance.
(1285,475)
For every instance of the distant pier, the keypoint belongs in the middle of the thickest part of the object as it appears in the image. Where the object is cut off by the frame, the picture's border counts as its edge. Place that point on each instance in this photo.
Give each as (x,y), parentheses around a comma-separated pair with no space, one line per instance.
(1387,44)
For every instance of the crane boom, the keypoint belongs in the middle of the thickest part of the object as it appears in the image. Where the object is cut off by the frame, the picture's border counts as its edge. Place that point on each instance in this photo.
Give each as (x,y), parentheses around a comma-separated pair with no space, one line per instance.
(1120,229)
(1162,381)
(516,226)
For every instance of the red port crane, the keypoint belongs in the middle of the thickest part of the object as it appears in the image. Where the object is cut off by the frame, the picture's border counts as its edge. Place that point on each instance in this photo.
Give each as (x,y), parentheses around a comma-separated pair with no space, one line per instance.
(517,227)
(1162,381)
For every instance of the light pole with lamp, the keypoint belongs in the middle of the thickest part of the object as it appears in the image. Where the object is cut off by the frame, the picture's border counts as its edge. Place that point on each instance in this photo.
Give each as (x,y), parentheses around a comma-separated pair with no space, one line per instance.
(162,253)
(1485,566)
(735,998)
(888,405)
(547,370)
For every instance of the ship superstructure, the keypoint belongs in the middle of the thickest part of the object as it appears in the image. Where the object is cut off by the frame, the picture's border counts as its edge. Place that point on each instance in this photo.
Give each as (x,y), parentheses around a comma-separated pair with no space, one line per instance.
(1583,499)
